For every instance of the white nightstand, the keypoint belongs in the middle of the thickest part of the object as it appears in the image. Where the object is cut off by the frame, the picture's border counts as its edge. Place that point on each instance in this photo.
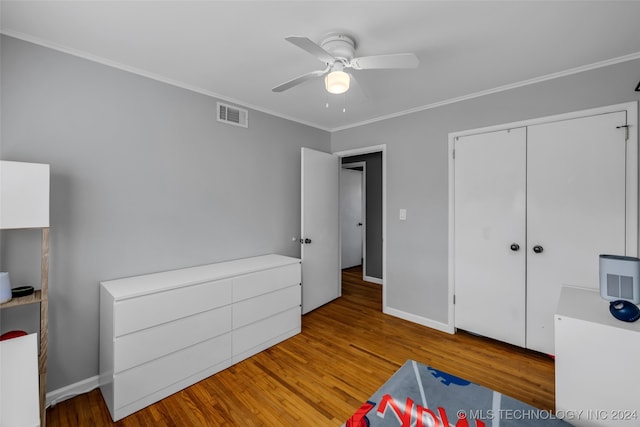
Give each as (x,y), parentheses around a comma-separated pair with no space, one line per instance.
(597,362)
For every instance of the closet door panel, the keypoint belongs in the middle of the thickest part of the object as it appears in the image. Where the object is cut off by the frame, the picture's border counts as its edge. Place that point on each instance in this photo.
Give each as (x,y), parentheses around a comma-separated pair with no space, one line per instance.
(489,218)
(575,211)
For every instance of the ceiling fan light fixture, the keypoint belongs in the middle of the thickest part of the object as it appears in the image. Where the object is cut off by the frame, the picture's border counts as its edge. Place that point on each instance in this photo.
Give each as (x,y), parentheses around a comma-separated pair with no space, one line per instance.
(337,52)
(337,82)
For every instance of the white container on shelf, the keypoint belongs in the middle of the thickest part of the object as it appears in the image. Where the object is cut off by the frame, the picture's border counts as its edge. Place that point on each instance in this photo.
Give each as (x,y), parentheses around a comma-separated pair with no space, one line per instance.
(5,287)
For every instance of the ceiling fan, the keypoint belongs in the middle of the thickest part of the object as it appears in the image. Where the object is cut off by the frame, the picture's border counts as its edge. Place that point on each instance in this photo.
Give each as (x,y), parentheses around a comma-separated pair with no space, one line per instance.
(337,51)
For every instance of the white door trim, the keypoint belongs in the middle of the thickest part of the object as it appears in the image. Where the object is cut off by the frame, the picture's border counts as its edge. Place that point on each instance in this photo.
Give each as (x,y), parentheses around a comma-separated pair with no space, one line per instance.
(368,150)
(631,188)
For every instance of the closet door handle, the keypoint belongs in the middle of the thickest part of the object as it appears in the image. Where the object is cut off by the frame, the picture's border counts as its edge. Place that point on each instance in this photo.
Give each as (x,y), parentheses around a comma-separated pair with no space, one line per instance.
(515,247)
(538,249)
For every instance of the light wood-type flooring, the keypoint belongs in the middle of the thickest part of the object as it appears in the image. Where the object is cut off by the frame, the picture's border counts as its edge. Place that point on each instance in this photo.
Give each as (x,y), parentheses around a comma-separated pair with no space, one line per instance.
(346,351)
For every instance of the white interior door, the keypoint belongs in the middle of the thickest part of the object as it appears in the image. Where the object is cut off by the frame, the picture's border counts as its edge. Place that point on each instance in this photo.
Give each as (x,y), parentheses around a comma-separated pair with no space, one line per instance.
(575,211)
(489,241)
(351,218)
(320,228)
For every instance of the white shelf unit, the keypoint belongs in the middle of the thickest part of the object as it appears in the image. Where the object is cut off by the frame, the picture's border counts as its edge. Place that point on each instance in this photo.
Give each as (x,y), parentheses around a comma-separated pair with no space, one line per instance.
(24,204)
(160,333)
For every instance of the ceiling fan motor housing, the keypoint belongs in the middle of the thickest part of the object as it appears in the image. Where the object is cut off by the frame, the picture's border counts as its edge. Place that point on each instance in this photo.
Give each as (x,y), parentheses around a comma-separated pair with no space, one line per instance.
(340,46)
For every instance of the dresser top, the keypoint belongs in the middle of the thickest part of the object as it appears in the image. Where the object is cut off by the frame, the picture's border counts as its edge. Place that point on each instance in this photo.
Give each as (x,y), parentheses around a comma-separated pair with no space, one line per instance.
(588,305)
(131,287)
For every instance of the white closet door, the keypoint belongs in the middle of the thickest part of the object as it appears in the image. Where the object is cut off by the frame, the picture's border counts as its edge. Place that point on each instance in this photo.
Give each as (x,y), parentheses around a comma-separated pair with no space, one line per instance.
(575,211)
(489,218)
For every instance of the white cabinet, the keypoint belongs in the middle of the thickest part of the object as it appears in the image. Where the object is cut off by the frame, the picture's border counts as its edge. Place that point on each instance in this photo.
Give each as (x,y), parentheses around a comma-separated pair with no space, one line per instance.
(597,369)
(162,332)
(19,395)
(534,207)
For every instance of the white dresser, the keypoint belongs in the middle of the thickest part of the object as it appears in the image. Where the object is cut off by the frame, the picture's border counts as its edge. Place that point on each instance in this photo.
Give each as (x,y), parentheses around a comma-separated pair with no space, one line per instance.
(161,332)
(597,362)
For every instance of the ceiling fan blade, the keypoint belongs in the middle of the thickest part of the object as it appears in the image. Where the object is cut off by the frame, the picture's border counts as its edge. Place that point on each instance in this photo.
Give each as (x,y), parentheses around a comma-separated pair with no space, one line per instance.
(300,79)
(397,60)
(366,95)
(306,44)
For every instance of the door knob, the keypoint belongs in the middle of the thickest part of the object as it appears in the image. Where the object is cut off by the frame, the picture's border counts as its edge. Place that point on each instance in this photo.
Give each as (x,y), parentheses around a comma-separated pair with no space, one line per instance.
(307,240)
(359,224)
(515,247)
(538,249)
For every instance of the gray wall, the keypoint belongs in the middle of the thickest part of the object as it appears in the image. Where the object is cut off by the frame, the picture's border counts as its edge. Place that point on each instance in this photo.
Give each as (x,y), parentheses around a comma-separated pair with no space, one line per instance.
(373,198)
(143,179)
(417,171)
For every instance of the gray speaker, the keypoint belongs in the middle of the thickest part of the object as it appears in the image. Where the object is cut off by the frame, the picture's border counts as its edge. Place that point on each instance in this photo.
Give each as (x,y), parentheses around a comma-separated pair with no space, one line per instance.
(620,278)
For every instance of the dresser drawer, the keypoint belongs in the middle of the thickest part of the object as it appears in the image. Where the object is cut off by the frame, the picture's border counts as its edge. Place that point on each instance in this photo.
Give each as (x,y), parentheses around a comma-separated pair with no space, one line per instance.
(148,344)
(143,380)
(254,284)
(138,313)
(253,335)
(263,306)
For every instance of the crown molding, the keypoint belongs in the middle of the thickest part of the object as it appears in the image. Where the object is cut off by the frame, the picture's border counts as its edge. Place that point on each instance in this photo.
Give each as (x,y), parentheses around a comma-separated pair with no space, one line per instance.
(546,77)
(94,58)
(183,85)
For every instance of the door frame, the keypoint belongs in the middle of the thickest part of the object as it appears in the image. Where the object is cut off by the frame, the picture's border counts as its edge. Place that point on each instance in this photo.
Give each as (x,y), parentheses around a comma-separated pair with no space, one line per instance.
(631,109)
(363,201)
(382,148)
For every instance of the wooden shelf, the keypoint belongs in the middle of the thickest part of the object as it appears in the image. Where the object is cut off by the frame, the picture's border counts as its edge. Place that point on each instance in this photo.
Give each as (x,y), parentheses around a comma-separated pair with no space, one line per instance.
(34,298)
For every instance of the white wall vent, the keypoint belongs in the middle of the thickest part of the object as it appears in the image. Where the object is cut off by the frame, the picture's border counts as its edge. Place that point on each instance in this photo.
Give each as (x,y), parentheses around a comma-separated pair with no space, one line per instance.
(233,115)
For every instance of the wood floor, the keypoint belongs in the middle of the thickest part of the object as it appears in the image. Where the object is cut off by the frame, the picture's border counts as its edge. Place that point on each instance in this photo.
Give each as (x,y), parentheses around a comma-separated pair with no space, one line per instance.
(346,351)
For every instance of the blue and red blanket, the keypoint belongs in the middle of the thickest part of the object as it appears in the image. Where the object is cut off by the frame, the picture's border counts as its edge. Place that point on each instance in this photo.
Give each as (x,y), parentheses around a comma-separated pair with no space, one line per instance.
(421,396)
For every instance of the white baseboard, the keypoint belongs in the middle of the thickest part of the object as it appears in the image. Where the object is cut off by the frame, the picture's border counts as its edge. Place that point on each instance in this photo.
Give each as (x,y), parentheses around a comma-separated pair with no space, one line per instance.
(56,396)
(372,280)
(444,327)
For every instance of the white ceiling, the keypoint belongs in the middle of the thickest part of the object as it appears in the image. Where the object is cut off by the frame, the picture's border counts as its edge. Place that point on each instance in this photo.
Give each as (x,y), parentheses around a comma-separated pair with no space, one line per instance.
(235,50)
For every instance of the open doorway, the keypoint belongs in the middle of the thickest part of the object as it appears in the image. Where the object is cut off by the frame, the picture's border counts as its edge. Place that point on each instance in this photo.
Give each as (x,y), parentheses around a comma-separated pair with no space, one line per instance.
(370,161)
(352,218)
